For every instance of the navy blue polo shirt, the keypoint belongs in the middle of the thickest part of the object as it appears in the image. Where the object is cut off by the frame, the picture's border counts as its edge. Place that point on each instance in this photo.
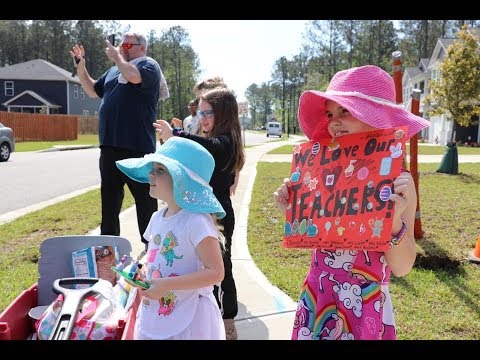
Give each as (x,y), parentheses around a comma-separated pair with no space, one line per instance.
(127,111)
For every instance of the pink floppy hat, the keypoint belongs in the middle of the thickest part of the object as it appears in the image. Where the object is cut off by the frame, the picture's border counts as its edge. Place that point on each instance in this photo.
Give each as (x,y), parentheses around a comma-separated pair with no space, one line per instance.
(367,92)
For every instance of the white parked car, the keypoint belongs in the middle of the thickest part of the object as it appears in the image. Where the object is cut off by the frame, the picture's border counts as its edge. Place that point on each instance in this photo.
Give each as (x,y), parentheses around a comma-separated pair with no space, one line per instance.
(274,128)
(7,142)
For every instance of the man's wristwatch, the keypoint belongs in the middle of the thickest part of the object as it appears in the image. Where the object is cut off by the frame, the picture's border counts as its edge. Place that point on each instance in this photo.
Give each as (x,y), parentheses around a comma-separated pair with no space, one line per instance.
(395,240)
(176,131)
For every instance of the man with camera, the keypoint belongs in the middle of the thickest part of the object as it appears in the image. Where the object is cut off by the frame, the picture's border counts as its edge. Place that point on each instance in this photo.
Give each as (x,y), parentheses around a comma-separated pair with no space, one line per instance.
(130,90)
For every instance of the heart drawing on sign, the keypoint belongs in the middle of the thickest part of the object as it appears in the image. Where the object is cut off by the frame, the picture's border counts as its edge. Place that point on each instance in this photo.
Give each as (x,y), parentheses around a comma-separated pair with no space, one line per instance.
(330,177)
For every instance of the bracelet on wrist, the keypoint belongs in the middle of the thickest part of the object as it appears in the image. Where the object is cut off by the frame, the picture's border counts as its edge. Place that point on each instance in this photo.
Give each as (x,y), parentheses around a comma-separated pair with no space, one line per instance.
(397,239)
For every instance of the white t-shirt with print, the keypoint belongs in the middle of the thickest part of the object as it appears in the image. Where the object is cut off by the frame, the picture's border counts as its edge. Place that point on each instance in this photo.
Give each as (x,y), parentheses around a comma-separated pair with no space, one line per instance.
(172,243)
(191,124)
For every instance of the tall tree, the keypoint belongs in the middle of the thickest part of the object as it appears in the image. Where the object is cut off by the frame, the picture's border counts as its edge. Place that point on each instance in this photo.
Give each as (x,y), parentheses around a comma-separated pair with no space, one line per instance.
(456,92)
(13,41)
(420,37)
(376,42)
(253,97)
(180,66)
(91,35)
(59,39)
(349,31)
(298,79)
(267,99)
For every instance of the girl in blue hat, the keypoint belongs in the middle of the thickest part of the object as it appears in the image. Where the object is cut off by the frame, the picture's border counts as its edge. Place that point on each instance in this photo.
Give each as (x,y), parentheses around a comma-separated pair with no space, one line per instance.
(184,256)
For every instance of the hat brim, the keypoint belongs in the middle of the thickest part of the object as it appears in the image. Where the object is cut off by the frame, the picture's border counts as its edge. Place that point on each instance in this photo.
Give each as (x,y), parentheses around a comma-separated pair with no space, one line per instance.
(313,120)
(189,194)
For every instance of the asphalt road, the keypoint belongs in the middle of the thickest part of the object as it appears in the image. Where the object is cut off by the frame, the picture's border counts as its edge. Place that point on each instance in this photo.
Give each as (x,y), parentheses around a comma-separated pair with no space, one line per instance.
(30,179)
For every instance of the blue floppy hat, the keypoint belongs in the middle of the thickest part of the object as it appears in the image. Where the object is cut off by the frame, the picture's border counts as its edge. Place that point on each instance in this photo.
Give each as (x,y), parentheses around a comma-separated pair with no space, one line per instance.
(191,167)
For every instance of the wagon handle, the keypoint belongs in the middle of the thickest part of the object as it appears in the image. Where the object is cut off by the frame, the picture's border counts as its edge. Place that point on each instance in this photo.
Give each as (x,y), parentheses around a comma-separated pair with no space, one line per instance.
(72,298)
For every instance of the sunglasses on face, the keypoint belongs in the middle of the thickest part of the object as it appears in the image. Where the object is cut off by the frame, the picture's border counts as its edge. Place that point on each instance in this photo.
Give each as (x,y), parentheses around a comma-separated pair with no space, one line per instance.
(128,46)
(207,114)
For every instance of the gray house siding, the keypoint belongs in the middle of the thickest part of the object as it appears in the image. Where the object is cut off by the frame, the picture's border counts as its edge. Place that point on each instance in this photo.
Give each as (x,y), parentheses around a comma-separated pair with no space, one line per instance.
(79,105)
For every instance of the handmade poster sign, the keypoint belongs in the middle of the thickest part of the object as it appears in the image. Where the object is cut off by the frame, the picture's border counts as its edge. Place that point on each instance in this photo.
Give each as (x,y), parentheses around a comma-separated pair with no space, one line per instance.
(340,191)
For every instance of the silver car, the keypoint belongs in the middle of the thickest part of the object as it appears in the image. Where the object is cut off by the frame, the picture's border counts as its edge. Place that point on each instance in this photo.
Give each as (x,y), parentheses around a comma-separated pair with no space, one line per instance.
(7,142)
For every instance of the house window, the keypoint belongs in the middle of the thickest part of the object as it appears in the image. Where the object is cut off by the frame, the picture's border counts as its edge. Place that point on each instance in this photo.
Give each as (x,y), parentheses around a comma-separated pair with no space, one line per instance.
(422,86)
(75,91)
(441,54)
(82,94)
(9,90)
(86,112)
(436,74)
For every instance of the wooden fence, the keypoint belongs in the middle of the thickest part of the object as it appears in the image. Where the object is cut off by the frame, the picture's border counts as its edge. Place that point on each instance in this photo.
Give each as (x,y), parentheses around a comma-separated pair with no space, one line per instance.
(41,127)
(87,125)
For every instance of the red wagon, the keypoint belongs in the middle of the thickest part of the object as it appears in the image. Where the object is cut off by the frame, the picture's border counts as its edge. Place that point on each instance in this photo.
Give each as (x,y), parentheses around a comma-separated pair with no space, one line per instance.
(55,263)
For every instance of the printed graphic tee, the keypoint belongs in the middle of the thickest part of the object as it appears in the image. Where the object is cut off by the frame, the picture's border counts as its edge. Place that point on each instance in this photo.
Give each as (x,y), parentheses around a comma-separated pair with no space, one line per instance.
(172,243)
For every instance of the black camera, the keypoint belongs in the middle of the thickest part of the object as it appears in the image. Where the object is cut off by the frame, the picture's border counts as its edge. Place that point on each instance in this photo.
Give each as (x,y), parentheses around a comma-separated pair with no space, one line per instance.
(111,38)
(76,60)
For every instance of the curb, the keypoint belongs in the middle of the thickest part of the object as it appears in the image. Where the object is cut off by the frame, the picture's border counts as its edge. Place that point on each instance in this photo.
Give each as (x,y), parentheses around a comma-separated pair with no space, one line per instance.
(68,147)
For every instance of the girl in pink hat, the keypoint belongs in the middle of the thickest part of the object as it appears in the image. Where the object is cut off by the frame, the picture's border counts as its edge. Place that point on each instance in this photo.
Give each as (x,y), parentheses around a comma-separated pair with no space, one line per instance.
(338,300)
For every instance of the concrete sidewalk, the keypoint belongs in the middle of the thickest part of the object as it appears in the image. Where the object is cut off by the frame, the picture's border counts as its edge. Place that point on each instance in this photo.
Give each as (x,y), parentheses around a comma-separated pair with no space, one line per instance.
(265,312)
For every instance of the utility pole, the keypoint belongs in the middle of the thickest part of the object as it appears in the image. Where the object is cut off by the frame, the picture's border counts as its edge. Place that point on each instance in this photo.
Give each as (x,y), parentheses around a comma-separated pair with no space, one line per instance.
(243,125)
(415,109)
(397,78)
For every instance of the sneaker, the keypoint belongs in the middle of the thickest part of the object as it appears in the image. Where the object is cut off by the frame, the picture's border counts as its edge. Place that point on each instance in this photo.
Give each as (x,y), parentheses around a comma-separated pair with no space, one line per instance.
(230,329)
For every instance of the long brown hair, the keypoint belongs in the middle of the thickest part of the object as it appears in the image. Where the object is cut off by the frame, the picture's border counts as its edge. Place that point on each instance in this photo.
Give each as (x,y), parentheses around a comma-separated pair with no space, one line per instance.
(225,109)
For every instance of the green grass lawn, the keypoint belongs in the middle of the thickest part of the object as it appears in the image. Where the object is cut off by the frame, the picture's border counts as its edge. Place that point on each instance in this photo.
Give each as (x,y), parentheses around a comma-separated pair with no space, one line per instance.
(440,297)
(422,150)
(86,139)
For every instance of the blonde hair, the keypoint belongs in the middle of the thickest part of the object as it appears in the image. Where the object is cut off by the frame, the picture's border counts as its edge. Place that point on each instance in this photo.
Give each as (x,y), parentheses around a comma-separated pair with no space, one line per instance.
(209,84)
(219,227)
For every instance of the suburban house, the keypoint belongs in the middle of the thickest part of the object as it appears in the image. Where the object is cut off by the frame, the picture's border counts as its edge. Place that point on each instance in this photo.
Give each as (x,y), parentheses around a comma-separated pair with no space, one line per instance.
(37,86)
(440,130)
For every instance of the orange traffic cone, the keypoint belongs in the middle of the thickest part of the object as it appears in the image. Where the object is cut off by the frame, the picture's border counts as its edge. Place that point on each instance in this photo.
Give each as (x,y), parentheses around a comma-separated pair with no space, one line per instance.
(474,255)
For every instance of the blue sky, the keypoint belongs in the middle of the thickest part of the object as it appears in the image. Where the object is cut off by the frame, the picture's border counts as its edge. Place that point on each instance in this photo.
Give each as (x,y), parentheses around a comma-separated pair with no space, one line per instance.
(241,51)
